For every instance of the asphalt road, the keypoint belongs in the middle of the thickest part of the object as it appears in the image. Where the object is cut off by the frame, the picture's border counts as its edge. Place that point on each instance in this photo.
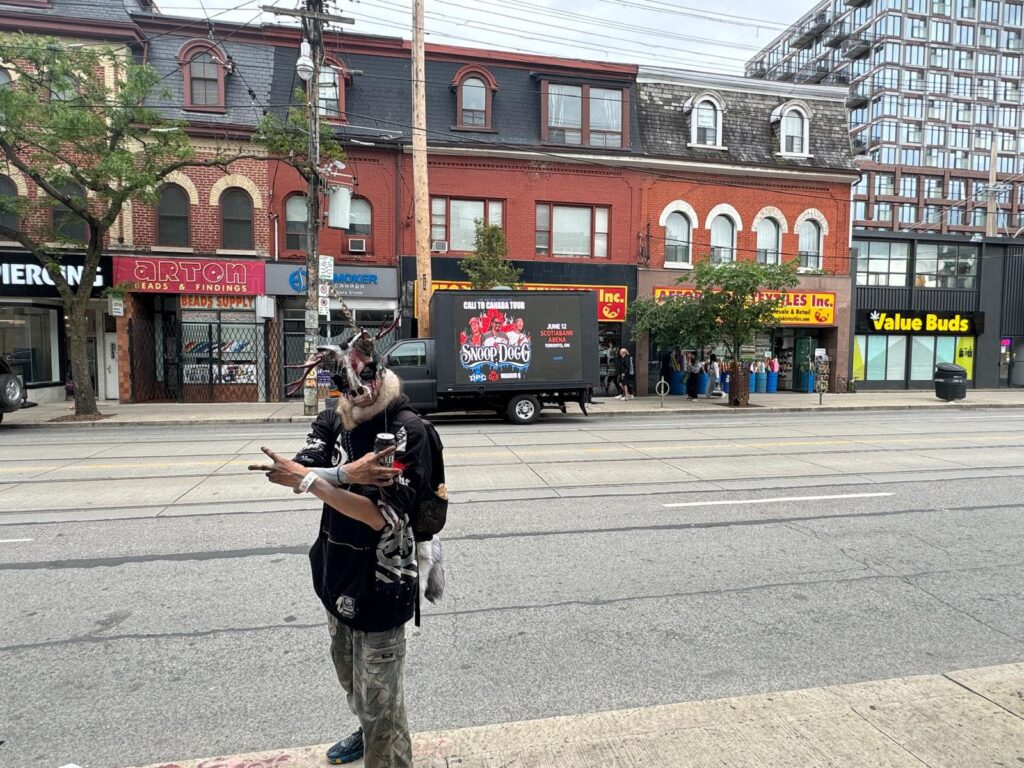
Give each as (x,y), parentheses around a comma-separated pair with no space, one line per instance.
(157,605)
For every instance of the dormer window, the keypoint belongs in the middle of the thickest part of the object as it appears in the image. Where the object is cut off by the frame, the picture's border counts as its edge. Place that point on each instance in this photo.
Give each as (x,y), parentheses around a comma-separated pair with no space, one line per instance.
(203,67)
(706,122)
(584,115)
(794,129)
(474,87)
(334,77)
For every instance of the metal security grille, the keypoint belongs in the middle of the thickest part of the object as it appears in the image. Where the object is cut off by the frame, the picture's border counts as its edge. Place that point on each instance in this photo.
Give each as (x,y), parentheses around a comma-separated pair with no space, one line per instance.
(203,356)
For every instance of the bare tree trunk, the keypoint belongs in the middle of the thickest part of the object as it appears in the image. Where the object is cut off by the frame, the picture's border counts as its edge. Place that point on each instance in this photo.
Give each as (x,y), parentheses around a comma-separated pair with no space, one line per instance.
(78,333)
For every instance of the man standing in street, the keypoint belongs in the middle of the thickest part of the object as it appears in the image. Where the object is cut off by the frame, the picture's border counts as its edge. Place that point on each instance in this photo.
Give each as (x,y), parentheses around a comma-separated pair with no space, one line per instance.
(364,560)
(625,363)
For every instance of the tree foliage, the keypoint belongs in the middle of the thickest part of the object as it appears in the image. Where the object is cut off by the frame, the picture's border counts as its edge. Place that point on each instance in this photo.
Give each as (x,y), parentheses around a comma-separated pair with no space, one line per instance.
(75,122)
(489,266)
(682,322)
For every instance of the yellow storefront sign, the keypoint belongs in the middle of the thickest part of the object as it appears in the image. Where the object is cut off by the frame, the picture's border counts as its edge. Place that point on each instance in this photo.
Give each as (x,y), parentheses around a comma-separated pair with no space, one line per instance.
(611,299)
(800,307)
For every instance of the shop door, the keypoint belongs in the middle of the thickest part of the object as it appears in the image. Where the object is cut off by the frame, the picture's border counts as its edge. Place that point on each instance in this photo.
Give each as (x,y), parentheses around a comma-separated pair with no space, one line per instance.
(109,352)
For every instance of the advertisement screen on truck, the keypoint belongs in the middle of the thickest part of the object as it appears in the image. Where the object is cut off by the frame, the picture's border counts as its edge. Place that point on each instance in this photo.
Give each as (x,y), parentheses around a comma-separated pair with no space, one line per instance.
(525,339)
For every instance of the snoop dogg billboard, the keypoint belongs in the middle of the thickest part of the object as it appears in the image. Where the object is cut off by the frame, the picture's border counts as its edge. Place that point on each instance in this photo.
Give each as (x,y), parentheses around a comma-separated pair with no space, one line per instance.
(519,339)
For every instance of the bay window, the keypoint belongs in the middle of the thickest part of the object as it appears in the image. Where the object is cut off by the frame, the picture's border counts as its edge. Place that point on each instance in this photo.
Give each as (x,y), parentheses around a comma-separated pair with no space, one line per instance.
(583,115)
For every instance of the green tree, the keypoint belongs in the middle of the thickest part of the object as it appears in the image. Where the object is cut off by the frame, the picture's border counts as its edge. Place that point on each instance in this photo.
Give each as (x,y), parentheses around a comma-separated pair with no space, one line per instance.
(74,121)
(489,266)
(735,296)
(682,322)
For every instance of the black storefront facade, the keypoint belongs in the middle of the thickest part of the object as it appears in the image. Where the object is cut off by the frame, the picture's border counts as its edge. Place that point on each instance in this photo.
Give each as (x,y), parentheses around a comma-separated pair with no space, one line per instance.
(614,284)
(922,299)
(33,333)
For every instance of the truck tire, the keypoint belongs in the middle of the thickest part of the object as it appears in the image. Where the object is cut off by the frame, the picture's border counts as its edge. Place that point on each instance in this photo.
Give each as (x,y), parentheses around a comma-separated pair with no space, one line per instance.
(523,409)
(11,392)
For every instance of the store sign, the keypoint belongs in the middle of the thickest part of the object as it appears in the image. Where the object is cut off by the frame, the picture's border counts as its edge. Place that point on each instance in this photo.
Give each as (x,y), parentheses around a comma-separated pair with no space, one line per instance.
(206,276)
(217,302)
(349,281)
(611,299)
(808,308)
(21,274)
(913,322)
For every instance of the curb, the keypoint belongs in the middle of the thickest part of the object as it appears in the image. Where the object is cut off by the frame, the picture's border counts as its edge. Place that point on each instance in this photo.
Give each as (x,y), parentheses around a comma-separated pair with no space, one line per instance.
(593,412)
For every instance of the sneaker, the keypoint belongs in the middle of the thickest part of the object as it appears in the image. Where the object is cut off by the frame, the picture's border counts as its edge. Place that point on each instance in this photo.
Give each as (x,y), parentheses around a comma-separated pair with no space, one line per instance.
(347,750)
(619,397)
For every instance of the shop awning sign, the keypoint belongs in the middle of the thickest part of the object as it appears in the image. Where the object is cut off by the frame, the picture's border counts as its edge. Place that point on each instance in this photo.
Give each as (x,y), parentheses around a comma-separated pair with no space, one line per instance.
(799,308)
(887,322)
(612,300)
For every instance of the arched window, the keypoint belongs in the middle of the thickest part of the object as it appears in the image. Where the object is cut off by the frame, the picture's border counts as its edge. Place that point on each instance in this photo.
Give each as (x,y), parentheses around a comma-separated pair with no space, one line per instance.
(706,123)
(172,216)
(360,217)
(295,220)
(768,232)
(8,219)
(236,220)
(203,67)
(677,239)
(331,93)
(810,245)
(475,86)
(723,240)
(67,225)
(794,132)
(474,102)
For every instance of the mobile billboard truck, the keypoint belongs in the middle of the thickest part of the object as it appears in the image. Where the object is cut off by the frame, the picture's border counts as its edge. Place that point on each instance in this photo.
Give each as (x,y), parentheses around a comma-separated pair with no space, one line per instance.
(511,352)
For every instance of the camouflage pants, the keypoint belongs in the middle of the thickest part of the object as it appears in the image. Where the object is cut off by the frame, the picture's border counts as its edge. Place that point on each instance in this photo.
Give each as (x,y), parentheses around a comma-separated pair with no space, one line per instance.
(371,667)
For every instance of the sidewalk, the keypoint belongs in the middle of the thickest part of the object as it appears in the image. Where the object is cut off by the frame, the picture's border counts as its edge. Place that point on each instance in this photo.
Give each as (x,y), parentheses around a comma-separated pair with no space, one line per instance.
(968,718)
(178,414)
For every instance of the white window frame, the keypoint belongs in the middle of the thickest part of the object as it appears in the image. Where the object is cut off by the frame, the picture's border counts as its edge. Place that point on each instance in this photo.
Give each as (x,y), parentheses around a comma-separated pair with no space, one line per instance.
(714,101)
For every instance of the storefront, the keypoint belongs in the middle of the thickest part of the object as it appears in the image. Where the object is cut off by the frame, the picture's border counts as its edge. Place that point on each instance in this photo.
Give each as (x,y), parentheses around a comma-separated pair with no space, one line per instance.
(33,333)
(927,299)
(194,330)
(370,294)
(906,346)
(814,316)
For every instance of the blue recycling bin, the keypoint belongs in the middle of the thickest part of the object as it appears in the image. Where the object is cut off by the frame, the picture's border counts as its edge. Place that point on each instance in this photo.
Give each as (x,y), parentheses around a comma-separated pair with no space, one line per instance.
(675,383)
(810,383)
(723,381)
(702,384)
(760,383)
(772,382)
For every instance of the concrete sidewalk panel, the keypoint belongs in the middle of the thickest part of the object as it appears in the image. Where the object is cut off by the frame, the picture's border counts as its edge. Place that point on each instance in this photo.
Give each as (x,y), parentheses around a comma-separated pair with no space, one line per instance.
(497,477)
(736,467)
(1003,686)
(102,493)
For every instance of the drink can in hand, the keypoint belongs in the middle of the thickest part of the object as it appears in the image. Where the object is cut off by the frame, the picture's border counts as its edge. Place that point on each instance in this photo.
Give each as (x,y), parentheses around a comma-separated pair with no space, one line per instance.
(382,441)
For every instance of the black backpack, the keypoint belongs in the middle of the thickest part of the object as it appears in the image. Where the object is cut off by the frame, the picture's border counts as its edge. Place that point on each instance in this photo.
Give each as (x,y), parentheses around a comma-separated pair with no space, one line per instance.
(432,508)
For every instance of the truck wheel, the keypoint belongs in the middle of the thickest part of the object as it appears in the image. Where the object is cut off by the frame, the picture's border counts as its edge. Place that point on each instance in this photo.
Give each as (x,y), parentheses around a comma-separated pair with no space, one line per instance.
(11,391)
(523,409)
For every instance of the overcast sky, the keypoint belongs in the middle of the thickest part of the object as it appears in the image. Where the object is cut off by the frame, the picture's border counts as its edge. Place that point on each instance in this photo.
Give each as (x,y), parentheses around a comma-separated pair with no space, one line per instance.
(677,33)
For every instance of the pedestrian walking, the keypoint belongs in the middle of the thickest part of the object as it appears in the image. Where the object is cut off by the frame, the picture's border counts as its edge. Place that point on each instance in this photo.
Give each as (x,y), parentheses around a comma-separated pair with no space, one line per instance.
(714,373)
(693,370)
(364,562)
(626,374)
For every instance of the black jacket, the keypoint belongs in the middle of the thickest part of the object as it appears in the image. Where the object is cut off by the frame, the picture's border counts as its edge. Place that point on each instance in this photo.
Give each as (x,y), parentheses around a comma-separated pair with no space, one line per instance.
(368,578)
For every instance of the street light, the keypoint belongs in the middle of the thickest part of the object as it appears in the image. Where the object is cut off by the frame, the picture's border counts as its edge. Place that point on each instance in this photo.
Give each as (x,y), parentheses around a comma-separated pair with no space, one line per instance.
(304,64)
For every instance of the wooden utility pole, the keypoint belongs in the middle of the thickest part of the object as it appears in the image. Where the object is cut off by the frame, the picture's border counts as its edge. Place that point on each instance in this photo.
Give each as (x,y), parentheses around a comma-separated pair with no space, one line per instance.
(421,198)
(313,19)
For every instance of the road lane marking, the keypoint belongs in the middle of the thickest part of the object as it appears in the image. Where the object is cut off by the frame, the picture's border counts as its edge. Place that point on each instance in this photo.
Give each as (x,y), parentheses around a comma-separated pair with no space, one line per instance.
(14,541)
(777,500)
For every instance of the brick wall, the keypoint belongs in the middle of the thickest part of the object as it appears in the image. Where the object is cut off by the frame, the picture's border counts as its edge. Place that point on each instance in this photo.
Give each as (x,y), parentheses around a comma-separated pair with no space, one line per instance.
(748,197)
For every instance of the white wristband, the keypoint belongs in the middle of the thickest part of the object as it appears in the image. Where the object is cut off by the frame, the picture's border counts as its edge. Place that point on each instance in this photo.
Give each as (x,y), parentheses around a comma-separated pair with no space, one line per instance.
(306,483)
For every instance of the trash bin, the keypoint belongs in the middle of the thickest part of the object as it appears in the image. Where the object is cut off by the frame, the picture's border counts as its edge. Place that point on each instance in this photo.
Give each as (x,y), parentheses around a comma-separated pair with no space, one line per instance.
(950,382)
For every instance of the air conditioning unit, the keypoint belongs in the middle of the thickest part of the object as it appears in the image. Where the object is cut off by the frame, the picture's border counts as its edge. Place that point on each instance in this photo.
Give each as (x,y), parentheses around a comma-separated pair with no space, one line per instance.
(357,245)
(439,246)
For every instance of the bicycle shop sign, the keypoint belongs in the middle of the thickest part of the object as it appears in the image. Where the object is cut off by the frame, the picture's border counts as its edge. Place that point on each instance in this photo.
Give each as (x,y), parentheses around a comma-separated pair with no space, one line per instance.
(206,276)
